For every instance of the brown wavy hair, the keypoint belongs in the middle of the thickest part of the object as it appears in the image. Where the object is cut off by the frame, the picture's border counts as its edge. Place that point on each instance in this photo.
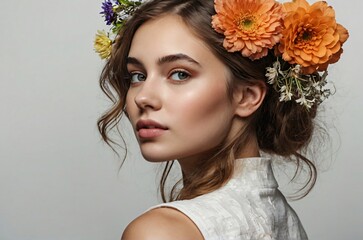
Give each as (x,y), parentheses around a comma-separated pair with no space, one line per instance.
(282,128)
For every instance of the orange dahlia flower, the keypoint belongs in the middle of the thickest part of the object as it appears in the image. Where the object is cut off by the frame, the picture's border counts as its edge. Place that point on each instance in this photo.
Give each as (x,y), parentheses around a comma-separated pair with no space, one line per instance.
(311,36)
(250,26)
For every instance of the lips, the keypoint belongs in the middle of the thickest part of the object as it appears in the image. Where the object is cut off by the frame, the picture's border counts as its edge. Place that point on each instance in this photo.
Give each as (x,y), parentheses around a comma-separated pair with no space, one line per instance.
(149,129)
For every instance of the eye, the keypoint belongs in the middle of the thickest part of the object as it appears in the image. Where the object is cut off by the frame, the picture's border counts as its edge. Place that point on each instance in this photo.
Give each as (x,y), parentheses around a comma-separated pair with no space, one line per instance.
(137,77)
(179,75)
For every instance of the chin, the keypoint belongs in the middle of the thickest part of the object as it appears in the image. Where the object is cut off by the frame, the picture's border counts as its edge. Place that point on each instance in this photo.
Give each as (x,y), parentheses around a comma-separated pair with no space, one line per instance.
(155,158)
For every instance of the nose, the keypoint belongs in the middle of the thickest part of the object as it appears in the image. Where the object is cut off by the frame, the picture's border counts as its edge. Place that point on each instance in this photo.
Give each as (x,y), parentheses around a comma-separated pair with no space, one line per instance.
(148,96)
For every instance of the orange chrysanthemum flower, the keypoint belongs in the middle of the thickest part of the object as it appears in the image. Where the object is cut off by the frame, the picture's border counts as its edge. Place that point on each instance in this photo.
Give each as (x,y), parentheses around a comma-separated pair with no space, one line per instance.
(251,27)
(311,36)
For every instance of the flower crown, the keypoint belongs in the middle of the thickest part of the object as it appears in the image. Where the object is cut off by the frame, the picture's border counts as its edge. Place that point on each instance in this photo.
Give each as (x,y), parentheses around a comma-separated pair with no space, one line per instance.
(116,14)
(305,39)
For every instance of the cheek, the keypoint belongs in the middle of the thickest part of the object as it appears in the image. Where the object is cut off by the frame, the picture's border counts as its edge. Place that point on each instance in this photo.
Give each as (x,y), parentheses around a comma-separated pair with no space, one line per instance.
(205,112)
(128,105)
(130,108)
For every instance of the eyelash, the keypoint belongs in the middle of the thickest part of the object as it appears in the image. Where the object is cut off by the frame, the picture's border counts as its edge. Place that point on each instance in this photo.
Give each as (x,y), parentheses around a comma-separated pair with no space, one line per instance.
(188,75)
(131,74)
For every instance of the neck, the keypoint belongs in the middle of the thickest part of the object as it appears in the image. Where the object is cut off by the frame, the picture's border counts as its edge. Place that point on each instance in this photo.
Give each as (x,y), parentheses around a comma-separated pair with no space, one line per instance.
(189,164)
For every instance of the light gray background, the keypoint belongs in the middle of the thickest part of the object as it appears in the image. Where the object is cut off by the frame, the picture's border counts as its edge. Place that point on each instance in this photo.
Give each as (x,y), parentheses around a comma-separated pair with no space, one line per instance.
(59,181)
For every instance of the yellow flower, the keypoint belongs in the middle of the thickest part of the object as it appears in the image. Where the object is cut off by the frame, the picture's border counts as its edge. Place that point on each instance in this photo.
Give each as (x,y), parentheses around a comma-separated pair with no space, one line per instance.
(311,36)
(251,27)
(103,44)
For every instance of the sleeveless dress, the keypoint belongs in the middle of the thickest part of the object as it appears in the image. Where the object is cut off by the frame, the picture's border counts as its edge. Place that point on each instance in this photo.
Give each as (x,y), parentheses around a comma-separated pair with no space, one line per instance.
(249,206)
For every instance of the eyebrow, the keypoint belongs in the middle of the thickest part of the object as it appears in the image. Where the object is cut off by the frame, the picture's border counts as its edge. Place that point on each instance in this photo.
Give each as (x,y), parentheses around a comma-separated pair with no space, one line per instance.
(177,57)
(134,61)
(165,59)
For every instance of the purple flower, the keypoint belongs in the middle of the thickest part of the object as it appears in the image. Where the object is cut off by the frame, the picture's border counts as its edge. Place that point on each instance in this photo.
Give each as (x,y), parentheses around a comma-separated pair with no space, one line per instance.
(108,12)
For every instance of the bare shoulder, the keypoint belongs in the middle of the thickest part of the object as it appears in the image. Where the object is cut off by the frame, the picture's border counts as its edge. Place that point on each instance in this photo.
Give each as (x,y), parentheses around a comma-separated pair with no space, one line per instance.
(160,224)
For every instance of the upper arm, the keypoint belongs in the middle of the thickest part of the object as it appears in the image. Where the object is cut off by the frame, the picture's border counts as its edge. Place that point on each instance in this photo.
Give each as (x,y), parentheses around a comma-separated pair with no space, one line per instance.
(162,224)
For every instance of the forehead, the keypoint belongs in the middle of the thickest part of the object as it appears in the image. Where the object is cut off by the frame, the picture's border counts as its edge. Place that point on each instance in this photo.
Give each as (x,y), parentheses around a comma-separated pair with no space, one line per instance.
(168,35)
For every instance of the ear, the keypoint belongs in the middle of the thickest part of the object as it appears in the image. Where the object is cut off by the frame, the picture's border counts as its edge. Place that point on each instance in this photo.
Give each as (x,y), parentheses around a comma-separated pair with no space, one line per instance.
(248,98)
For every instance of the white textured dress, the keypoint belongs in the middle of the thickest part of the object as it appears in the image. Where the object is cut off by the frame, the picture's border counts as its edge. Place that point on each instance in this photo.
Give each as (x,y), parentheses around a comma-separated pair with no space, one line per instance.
(249,206)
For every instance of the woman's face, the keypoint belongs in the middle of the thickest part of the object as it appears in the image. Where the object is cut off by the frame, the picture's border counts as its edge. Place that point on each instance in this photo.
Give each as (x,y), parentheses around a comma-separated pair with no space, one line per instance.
(177,103)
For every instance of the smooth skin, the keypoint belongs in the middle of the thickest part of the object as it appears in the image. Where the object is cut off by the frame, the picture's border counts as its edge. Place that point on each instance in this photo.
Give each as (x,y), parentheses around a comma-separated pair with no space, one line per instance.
(179,83)
(160,224)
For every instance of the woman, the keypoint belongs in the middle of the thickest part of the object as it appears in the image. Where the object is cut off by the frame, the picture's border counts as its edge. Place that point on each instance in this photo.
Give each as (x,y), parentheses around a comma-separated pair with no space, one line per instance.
(211,85)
